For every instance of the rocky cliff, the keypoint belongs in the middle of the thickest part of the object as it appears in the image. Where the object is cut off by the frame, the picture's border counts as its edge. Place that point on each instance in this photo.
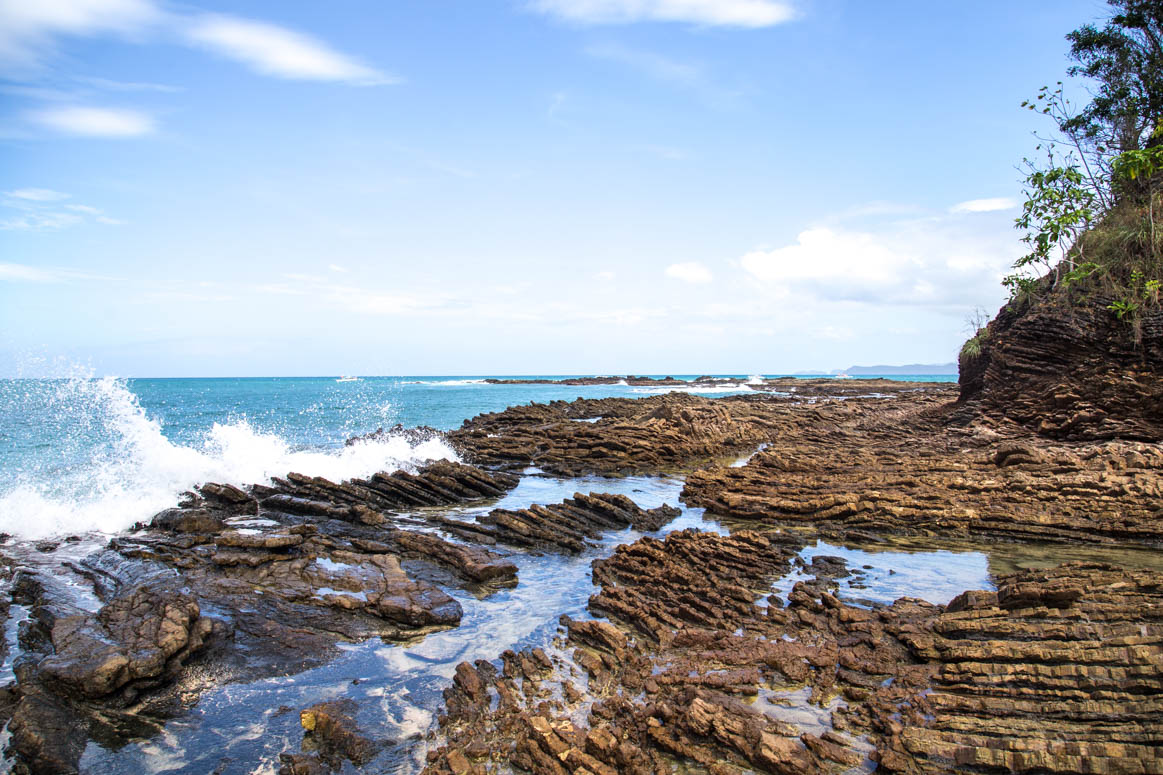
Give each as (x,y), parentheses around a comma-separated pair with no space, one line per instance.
(1070,371)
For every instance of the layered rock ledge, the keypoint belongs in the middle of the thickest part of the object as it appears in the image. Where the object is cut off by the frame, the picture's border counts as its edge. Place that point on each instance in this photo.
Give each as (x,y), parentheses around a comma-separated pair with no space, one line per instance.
(1069,370)
(1055,672)
(869,469)
(616,436)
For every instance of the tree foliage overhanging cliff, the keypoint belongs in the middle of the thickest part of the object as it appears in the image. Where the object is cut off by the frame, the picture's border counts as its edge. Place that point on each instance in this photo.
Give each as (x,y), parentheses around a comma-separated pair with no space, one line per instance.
(1090,216)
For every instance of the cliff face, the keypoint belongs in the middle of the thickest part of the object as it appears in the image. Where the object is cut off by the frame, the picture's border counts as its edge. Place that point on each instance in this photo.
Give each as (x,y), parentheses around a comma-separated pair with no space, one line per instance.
(1070,372)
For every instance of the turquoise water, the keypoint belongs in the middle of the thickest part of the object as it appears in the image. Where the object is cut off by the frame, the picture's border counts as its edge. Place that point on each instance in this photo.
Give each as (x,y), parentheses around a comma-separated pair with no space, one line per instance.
(79,455)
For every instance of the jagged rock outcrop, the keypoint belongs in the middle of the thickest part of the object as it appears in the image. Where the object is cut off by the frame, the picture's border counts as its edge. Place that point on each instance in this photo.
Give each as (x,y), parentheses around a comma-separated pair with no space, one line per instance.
(568,527)
(900,470)
(1055,672)
(627,436)
(1069,371)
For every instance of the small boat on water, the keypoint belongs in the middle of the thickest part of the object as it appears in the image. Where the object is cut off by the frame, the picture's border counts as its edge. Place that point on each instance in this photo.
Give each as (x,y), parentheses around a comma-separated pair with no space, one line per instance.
(348,379)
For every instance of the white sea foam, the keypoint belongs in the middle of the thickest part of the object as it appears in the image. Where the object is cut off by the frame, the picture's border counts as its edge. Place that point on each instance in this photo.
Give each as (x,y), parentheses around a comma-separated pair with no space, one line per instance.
(443,382)
(755,379)
(140,472)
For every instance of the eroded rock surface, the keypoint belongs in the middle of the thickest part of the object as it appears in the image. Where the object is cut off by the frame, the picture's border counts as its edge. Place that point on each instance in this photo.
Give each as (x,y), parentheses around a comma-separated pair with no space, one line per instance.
(1070,371)
(895,467)
(627,436)
(1056,671)
(569,527)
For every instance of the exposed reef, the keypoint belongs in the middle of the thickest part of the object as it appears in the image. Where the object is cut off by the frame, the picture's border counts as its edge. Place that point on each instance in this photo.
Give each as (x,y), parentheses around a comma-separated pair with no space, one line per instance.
(895,468)
(1056,672)
(626,436)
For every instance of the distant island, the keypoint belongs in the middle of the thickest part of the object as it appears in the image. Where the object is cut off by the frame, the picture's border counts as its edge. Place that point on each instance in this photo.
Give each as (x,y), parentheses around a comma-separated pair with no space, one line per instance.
(911,369)
(915,369)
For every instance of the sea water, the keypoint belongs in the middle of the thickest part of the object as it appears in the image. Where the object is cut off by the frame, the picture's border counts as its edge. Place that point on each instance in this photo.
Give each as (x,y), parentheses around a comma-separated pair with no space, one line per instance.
(80,454)
(91,457)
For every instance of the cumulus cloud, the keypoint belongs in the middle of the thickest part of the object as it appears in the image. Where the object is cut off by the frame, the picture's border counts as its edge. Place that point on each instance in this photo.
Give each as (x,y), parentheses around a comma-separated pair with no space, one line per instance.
(934,262)
(689,272)
(717,13)
(94,122)
(984,205)
(280,52)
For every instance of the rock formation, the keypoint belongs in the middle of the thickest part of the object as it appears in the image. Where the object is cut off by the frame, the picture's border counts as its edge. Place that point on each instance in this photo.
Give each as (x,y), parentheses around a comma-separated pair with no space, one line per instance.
(893,467)
(1069,371)
(1055,672)
(647,436)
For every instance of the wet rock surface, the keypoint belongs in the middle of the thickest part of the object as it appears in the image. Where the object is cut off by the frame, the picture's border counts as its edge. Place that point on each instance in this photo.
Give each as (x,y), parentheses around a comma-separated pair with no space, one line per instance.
(693,661)
(568,527)
(1056,671)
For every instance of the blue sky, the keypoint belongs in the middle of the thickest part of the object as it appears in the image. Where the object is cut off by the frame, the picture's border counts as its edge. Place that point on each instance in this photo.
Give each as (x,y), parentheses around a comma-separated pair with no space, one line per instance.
(510,186)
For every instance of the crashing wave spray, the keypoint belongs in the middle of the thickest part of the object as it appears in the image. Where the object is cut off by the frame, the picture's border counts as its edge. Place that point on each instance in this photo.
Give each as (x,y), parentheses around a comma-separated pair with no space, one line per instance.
(110,466)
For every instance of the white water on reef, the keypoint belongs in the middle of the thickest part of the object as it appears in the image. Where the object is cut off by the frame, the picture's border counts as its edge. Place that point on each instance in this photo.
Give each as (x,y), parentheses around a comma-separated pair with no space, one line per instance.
(113,466)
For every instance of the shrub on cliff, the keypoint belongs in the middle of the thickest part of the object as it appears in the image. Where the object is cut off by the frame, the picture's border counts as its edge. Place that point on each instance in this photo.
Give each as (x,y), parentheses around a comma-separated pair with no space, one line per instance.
(1090,215)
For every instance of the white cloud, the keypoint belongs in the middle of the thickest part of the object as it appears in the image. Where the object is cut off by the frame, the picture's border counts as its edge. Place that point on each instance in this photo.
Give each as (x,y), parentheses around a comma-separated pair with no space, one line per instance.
(689,272)
(40,221)
(21,272)
(94,122)
(37,195)
(34,274)
(656,66)
(28,28)
(280,52)
(935,262)
(337,268)
(605,276)
(721,13)
(984,205)
(42,209)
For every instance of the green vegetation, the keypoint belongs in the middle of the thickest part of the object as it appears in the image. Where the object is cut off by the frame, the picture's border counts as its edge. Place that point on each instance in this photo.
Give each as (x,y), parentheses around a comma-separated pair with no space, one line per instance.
(1089,218)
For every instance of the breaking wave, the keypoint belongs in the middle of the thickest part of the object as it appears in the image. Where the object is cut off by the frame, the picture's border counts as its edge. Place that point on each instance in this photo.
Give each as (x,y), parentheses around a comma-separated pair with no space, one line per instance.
(103,465)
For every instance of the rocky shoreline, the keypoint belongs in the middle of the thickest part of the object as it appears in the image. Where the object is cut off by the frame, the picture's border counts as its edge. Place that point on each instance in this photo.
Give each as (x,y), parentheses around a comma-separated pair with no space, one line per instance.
(690,660)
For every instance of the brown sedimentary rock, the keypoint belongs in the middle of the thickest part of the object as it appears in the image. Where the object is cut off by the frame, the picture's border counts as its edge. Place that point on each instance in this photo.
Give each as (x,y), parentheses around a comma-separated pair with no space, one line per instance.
(1069,371)
(567,527)
(646,436)
(899,469)
(1055,672)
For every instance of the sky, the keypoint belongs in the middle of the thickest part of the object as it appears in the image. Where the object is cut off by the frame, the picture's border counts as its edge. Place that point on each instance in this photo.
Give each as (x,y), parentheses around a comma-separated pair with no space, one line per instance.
(511,186)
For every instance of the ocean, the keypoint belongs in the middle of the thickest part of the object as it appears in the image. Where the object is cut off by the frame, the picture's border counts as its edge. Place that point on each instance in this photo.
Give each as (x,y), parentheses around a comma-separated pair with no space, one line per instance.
(82,455)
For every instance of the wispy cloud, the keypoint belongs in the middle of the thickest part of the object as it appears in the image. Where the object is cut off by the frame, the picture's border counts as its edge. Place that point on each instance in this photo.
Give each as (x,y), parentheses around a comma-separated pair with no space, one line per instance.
(127,86)
(94,122)
(36,195)
(42,209)
(29,28)
(656,66)
(34,274)
(689,272)
(984,205)
(688,76)
(277,51)
(717,13)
